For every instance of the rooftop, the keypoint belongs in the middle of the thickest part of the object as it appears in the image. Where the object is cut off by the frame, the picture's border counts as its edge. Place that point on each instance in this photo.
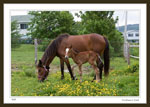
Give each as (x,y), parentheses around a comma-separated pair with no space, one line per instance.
(22,18)
(132,31)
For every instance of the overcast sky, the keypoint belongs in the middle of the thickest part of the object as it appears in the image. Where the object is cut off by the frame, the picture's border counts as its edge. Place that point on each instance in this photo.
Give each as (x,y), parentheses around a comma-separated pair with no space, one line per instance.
(133,16)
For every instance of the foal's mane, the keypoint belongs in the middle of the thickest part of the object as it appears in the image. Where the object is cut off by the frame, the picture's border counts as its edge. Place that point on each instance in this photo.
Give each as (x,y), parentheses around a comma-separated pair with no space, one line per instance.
(51,50)
(75,51)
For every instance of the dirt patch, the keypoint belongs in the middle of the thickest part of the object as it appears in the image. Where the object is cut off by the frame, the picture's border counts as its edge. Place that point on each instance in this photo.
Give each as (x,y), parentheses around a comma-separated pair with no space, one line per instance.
(53,68)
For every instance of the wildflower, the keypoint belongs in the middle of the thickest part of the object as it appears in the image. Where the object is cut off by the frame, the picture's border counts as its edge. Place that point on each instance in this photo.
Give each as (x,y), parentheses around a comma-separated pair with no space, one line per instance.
(87,91)
(128,66)
(51,94)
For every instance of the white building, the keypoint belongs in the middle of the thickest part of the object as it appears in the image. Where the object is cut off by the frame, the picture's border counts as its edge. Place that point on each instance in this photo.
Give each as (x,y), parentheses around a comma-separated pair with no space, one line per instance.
(22,21)
(133,36)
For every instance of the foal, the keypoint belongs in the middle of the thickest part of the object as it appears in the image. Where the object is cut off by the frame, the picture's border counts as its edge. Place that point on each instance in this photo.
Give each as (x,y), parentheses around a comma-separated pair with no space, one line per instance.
(82,57)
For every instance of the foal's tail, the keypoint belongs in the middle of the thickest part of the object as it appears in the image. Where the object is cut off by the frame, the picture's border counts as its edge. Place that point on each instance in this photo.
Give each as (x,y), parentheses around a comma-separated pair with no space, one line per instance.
(106,58)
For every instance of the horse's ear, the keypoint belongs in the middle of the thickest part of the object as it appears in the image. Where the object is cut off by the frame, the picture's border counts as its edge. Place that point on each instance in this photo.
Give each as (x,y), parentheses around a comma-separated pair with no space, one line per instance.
(70,46)
(40,63)
(47,67)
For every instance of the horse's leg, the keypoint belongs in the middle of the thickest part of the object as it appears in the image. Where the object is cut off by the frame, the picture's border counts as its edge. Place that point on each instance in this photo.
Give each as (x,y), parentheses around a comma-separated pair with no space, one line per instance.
(101,69)
(62,68)
(96,72)
(69,68)
(80,72)
(100,66)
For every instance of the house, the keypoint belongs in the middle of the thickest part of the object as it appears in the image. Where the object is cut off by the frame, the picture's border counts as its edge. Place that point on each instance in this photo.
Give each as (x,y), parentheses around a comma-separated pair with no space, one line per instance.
(132,36)
(22,21)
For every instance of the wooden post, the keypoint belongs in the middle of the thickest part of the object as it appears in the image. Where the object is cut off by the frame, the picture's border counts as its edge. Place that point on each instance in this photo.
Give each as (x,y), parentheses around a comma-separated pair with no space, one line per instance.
(35,45)
(128,50)
(124,51)
(125,39)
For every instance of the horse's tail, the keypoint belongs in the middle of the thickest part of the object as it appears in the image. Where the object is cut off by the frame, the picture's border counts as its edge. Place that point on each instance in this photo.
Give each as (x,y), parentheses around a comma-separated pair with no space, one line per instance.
(106,58)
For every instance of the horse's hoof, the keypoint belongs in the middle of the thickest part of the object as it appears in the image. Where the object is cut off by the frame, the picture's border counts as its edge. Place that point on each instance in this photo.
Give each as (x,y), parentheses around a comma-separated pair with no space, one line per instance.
(62,78)
(92,80)
(74,78)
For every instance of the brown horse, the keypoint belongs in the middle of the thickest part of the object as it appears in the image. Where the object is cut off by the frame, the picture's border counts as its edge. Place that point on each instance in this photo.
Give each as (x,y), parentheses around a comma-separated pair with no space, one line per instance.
(93,42)
(82,57)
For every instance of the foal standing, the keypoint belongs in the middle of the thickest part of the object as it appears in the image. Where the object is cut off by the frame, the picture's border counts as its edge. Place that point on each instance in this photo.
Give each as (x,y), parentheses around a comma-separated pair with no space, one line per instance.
(82,57)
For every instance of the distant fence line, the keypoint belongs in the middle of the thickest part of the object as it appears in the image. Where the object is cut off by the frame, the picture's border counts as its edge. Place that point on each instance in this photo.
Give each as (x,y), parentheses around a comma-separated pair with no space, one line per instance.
(136,57)
(134,46)
(127,55)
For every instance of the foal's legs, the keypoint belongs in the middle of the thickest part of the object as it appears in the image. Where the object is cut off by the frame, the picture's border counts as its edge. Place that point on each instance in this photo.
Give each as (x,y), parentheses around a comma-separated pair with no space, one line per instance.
(80,72)
(100,67)
(73,71)
(69,68)
(97,72)
(62,68)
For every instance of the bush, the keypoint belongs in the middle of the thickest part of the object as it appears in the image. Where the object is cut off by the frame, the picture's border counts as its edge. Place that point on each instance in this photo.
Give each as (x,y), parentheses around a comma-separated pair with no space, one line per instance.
(133,68)
(15,36)
(29,72)
(26,41)
(111,51)
(134,51)
(43,45)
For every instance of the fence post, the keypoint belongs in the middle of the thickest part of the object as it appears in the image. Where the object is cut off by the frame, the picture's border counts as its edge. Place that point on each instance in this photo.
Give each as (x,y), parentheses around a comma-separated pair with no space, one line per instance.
(125,51)
(128,55)
(35,45)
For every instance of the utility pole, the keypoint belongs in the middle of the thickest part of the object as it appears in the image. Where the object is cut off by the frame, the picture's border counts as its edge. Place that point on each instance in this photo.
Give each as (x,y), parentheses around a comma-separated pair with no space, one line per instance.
(126,44)
(118,25)
(125,27)
(35,44)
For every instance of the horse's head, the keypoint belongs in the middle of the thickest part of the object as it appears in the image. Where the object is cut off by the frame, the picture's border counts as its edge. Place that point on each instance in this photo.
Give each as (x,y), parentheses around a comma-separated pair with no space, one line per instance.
(43,71)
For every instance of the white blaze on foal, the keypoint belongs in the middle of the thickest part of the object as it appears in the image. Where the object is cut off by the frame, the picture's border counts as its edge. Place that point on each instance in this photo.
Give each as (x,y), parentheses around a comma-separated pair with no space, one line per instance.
(67,50)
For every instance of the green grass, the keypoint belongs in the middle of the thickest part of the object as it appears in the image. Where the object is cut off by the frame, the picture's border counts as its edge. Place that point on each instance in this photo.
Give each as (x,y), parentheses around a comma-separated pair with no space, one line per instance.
(121,81)
(134,51)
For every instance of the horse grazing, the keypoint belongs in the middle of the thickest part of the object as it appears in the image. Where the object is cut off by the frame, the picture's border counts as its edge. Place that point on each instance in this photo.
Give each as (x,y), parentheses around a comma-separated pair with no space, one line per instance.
(82,57)
(88,42)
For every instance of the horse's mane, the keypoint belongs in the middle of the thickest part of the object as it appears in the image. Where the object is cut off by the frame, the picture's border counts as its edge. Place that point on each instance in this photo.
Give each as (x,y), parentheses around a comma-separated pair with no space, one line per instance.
(51,50)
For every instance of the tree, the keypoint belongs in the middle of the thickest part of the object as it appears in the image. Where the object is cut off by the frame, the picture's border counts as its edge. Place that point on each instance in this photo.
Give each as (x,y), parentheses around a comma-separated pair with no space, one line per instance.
(102,22)
(15,36)
(49,24)
(78,29)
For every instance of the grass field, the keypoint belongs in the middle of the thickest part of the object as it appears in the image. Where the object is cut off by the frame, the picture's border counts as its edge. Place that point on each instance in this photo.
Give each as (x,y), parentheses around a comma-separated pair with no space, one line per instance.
(122,80)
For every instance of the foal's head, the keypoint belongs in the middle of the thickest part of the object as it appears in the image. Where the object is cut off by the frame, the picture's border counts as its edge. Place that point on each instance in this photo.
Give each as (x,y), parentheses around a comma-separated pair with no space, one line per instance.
(43,71)
(70,51)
